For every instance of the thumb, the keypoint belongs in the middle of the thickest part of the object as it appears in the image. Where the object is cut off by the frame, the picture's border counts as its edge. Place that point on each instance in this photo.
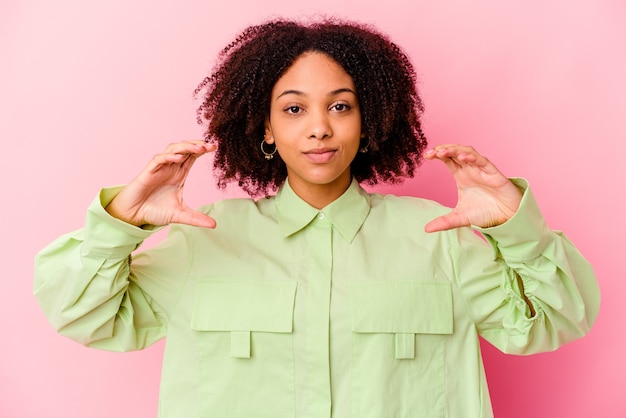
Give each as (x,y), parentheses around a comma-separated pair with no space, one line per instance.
(192,217)
(446,222)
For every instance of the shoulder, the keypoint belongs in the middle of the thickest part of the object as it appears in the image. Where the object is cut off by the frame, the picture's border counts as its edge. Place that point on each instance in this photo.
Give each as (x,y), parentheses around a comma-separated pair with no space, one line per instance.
(237,204)
(240,210)
(406,217)
(405,206)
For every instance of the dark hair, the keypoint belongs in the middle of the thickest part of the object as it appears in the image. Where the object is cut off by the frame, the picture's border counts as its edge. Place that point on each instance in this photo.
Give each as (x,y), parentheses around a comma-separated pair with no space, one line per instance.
(236,100)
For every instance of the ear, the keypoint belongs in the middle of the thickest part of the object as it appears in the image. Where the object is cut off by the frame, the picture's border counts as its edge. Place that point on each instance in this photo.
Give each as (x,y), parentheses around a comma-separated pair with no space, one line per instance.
(269,135)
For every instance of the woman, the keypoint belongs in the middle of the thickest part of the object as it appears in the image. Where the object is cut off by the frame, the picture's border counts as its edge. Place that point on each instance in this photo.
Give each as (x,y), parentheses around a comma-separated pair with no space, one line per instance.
(321,299)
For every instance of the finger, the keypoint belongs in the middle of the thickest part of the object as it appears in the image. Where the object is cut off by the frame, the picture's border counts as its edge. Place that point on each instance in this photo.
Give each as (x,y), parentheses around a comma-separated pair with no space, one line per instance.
(452,164)
(439,151)
(181,155)
(458,148)
(459,156)
(474,159)
(161,160)
(452,151)
(196,147)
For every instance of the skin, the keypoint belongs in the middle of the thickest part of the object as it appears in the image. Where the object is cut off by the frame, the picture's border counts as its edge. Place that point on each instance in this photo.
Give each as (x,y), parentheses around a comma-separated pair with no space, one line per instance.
(155,196)
(486,197)
(315,123)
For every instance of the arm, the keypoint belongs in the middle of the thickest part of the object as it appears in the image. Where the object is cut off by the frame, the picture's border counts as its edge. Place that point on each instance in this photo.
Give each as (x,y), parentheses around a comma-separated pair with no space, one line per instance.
(535,291)
(85,281)
(89,292)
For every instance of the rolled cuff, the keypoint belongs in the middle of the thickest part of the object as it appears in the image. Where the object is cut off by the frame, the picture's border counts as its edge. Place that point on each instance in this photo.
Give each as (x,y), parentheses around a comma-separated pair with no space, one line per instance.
(526,234)
(107,236)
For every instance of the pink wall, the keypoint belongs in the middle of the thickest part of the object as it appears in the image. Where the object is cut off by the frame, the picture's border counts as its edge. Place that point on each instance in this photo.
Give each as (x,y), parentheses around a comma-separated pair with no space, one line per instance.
(89,91)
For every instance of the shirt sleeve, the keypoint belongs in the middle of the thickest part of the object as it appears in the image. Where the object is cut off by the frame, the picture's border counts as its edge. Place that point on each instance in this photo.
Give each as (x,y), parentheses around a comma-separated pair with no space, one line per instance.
(529,264)
(88,291)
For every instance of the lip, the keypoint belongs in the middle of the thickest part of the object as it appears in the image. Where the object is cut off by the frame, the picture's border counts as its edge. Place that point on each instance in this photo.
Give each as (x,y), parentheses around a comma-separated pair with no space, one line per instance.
(320,155)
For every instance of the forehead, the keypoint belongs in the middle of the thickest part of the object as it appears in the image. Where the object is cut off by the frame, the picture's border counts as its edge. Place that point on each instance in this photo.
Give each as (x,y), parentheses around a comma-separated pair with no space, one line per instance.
(313,72)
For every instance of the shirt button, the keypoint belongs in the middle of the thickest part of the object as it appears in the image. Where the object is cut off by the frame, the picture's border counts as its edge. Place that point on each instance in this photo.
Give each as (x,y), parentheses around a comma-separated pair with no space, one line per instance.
(321,215)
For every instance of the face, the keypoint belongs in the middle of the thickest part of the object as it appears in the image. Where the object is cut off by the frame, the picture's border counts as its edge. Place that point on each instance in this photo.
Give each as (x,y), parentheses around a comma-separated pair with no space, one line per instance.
(315,123)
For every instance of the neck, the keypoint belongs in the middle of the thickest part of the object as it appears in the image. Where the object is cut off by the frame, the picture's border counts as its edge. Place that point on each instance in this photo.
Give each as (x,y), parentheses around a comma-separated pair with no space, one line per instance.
(320,196)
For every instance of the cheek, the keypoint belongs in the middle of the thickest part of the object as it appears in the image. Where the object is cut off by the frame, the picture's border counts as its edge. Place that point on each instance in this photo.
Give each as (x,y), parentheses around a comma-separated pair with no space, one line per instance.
(356,132)
(284,127)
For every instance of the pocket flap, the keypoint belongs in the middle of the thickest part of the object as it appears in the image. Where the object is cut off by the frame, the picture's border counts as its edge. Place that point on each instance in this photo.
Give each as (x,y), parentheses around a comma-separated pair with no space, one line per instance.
(401,307)
(234,305)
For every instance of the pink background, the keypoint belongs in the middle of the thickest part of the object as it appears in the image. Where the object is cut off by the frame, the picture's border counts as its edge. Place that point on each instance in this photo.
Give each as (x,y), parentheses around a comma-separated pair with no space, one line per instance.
(89,91)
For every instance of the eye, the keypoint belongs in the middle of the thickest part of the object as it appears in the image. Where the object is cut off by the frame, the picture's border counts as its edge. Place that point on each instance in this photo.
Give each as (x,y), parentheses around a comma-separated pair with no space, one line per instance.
(340,107)
(293,110)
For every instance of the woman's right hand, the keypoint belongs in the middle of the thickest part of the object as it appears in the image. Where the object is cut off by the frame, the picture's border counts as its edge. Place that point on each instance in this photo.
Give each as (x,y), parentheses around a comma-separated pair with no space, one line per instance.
(155,196)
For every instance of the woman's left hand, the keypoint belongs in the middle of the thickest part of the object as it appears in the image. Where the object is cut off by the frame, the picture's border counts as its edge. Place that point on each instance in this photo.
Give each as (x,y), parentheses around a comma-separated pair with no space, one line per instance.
(485,196)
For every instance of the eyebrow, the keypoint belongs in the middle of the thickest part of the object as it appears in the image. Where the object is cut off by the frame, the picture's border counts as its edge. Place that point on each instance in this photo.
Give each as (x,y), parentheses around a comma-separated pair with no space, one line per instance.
(332,93)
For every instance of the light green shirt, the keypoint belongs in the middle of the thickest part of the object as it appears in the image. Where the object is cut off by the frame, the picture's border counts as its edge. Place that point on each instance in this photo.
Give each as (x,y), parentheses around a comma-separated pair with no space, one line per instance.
(284,310)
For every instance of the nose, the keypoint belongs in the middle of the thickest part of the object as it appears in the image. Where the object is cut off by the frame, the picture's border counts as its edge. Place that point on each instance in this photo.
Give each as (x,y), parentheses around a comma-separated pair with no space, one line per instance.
(319,127)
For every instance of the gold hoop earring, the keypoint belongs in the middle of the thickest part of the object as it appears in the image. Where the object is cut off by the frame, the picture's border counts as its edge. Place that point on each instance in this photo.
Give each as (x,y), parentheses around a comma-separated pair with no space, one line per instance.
(365,148)
(268,155)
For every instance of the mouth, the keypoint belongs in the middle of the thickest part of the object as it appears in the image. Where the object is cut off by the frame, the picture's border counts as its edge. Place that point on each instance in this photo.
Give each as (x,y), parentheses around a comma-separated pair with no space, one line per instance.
(320,155)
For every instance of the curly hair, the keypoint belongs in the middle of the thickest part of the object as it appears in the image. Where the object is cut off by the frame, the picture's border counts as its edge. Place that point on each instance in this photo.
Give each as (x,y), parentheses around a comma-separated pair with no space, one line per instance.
(237,93)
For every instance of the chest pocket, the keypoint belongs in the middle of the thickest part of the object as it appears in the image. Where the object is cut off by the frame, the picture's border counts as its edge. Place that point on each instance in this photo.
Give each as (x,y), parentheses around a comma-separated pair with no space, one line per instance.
(399,333)
(244,331)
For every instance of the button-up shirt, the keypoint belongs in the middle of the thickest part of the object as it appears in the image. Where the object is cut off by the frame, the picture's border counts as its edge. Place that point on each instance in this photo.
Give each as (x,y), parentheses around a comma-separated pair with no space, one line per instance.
(284,310)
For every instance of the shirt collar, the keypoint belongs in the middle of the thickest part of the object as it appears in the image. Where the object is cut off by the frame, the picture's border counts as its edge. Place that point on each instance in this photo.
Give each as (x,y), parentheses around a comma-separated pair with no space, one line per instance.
(347,213)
